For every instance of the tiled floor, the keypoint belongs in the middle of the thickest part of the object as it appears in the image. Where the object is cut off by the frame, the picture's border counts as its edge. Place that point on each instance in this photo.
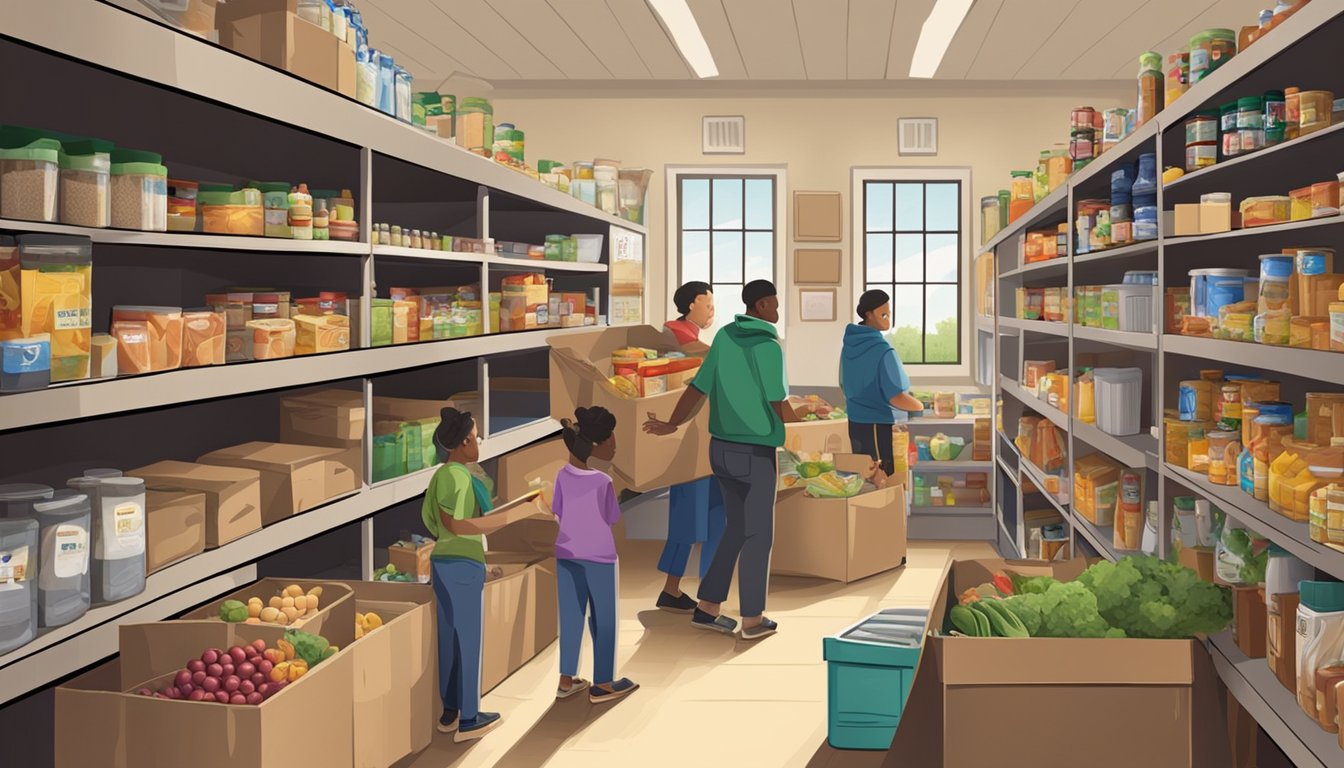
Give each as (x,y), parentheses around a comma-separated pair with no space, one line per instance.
(757,704)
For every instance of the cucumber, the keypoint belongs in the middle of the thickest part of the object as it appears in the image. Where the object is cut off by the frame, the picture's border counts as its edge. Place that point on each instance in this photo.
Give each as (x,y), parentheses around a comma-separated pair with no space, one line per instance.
(963,619)
(998,627)
(983,627)
(1012,626)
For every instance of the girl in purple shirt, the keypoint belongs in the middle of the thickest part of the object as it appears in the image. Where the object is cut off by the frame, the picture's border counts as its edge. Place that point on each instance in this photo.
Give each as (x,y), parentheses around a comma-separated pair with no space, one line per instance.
(585,504)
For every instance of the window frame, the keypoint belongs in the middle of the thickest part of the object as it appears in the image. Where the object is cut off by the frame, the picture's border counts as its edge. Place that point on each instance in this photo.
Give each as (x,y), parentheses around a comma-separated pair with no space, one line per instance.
(859,179)
(673,235)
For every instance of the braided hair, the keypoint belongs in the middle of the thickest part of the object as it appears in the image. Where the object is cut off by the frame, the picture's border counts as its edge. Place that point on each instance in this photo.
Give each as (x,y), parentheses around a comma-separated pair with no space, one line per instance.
(590,427)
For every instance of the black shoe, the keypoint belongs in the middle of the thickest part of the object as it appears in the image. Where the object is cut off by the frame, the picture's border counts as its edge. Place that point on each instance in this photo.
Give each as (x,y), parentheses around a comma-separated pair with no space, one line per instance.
(765,629)
(683,604)
(469,730)
(619,690)
(448,721)
(721,624)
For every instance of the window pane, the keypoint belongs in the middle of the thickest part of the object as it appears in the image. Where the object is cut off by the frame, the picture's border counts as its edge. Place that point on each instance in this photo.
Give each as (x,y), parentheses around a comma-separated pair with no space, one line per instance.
(909,259)
(941,344)
(760,204)
(727,305)
(695,203)
(728,257)
(727,203)
(878,257)
(877,213)
(694,256)
(942,205)
(909,207)
(907,322)
(942,258)
(760,256)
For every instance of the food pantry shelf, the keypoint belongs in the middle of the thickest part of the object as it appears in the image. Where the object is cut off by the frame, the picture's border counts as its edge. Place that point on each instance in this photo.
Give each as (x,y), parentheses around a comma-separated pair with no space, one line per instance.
(1098,537)
(481,258)
(1008,471)
(1274,707)
(100,397)
(190,240)
(1053,205)
(1123,252)
(1307,363)
(1289,534)
(1040,269)
(1222,166)
(51,656)
(1126,150)
(1134,339)
(1050,412)
(1131,450)
(933,421)
(1037,478)
(1270,229)
(1036,326)
(537,264)
(950,466)
(428,255)
(926,524)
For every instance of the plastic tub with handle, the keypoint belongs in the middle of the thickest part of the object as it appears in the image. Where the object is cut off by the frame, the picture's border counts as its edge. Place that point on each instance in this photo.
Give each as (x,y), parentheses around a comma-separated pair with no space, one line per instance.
(869,670)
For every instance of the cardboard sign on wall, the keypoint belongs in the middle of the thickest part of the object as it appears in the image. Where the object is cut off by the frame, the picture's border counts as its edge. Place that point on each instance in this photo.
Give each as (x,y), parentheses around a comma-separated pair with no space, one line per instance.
(817,266)
(817,216)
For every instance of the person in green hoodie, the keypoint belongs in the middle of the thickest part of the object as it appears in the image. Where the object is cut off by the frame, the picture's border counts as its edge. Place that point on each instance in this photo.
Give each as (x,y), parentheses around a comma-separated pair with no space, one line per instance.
(874,381)
(743,379)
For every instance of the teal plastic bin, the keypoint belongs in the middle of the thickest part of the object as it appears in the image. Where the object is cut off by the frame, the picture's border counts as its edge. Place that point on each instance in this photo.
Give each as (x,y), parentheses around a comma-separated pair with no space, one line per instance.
(869,668)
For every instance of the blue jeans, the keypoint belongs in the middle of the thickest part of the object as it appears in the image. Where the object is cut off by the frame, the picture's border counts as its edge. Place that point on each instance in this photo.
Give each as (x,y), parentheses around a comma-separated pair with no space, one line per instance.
(459,591)
(694,516)
(585,585)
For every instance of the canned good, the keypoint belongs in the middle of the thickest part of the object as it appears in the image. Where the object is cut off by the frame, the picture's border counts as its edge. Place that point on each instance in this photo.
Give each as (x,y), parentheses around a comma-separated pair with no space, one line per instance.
(1083,117)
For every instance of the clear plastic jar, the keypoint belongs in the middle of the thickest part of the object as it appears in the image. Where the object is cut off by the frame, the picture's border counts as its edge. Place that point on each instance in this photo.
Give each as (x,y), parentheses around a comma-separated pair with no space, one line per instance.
(1201,141)
(28,180)
(1228,134)
(402,84)
(139,191)
(1178,75)
(1292,112)
(1209,50)
(1275,112)
(1251,123)
(989,218)
(1022,196)
(1150,87)
(85,200)
(476,126)
(366,80)
(387,84)
(1316,109)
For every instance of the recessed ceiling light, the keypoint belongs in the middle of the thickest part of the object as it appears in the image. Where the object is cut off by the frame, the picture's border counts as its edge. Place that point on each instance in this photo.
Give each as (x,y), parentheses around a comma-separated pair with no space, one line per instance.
(681,25)
(936,36)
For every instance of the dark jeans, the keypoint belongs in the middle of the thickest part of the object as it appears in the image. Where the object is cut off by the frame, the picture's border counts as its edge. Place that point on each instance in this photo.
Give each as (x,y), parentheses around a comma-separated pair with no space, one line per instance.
(694,516)
(748,475)
(874,440)
(459,590)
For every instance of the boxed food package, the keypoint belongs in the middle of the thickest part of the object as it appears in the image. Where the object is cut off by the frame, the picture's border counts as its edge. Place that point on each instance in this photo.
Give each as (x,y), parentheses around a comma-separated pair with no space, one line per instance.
(272,338)
(294,478)
(285,41)
(174,527)
(204,334)
(840,539)
(580,375)
(149,338)
(315,334)
(521,616)
(517,471)
(101,720)
(1165,690)
(1281,638)
(335,603)
(330,417)
(1096,488)
(1249,620)
(821,436)
(232,495)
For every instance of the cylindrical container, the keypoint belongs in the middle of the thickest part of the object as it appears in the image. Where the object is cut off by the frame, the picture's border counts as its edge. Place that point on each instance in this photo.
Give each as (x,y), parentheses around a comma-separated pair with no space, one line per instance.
(301,213)
(475,126)
(1227,408)
(1195,400)
(1118,400)
(1283,572)
(86,177)
(18,593)
(1201,140)
(1292,112)
(1081,144)
(275,202)
(1178,75)
(1209,50)
(29,179)
(1272,310)
(139,191)
(502,147)
(1082,117)
(1115,126)
(1023,197)
(404,94)
(1212,289)
(1316,109)
(989,218)
(1251,123)
(1224,448)
(118,529)
(61,267)
(517,140)
(1275,112)
(387,84)
(366,79)
(63,558)
(1150,87)
(1228,135)
(1273,422)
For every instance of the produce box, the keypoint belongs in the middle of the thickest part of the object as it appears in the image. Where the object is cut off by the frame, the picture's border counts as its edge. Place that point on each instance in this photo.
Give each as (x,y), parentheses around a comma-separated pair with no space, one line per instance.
(412,559)
(335,605)
(101,721)
(174,527)
(821,436)
(294,478)
(232,495)
(1163,691)
(521,616)
(840,539)
(579,370)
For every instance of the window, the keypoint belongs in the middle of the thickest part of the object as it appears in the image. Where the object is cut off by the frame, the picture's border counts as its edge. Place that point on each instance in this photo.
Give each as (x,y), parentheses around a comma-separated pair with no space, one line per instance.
(912,249)
(726,236)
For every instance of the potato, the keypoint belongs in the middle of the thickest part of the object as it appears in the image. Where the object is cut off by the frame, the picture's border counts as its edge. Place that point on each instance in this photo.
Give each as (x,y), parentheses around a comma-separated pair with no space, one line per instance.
(254,600)
(301,602)
(291,613)
(286,602)
(293,590)
(254,609)
(252,620)
(282,619)
(313,601)
(269,614)
(275,602)
(315,592)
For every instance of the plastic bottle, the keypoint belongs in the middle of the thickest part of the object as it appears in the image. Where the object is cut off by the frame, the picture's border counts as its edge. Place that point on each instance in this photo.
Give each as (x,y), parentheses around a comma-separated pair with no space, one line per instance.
(402,86)
(321,221)
(1150,87)
(301,213)
(387,84)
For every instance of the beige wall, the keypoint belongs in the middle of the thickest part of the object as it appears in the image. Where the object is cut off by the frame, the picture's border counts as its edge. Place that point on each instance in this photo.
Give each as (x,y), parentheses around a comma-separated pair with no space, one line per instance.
(818,140)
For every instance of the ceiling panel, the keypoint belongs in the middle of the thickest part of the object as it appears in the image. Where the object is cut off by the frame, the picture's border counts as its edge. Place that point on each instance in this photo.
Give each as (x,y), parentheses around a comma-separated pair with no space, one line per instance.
(969,40)
(1119,51)
(396,21)
(905,32)
(420,54)
(1230,14)
(1021,27)
(538,23)
(603,36)
(650,40)
(1088,23)
(713,21)
(823,31)
(495,32)
(869,38)
(767,35)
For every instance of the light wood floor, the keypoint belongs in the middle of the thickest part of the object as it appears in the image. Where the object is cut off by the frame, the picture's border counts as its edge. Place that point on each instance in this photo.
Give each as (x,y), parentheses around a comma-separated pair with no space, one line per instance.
(757,704)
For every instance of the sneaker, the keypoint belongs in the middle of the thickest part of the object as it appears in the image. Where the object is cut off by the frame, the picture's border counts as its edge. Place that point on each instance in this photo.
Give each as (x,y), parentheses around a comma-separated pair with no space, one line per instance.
(619,690)
(448,721)
(470,730)
(683,604)
(721,624)
(765,629)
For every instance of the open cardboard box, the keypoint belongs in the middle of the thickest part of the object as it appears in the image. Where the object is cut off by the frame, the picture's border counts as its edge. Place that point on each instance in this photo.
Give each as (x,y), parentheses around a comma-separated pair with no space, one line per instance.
(821,436)
(521,614)
(335,604)
(1043,702)
(840,539)
(579,368)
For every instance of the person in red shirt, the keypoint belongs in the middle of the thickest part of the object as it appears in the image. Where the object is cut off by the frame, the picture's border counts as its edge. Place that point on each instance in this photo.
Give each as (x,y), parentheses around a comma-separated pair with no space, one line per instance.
(695,302)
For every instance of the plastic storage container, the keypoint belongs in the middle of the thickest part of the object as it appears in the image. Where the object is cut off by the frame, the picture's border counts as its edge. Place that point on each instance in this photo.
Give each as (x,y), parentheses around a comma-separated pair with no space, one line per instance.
(1273,312)
(228,212)
(275,203)
(476,126)
(1315,110)
(1149,101)
(589,248)
(117,511)
(387,84)
(1250,123)
(85,188)
(989,218)
(1266,210)
(29,179)
(1275,113)
(299,211)
(18,593)
(366,78)
(1229,137)
(1023,197)
(869,670)
(63,558)
(1119,398)
(139,191)
(404,91)
(1212,289)
(1177,76)
(1201,140)
(1209,50)
(25,364)
(57,277)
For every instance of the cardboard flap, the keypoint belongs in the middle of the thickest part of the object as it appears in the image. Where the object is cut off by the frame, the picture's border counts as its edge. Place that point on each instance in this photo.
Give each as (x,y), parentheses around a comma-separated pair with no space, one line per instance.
(534,534)
(919,737)
(1065,661)
(581,353)
(271,456)
(152,649)
(187,476)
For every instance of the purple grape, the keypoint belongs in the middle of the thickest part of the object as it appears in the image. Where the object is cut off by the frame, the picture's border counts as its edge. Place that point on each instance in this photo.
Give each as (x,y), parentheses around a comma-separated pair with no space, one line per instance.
(222,697)
(214,670)
(228,670)
(182,678)
(246,687)
(196,695)
(237,698)
(145,692)
(246,669)
(231,683)
(210,657)
(198,677)
(186,689)
(254,698)
(211,684)
(195,665)
(238,654)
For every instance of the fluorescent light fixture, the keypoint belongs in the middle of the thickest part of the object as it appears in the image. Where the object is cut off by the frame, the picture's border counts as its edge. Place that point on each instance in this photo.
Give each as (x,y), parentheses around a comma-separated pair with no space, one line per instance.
(936,36)
(680,24)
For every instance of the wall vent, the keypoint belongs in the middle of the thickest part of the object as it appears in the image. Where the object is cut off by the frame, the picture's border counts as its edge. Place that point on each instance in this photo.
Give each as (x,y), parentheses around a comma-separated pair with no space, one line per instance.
(917,135)
(724,135)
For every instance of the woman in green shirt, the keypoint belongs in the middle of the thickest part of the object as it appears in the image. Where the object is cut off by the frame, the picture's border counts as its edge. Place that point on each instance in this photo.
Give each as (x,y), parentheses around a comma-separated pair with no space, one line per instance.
(455,512)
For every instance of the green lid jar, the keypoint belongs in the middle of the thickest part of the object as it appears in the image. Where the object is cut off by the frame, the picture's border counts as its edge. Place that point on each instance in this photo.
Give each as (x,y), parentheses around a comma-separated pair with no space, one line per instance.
(85,196)
(1209,50)
(139,190)
(1276,110)
(29,172)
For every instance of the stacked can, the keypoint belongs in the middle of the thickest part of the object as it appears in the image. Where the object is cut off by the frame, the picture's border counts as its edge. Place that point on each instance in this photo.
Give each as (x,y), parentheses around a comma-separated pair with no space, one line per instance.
(1082,135)
(1122,208)
(1144,197)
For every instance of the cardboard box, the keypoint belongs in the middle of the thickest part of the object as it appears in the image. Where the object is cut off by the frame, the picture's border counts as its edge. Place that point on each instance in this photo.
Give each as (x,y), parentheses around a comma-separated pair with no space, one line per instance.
(232,495)
(294,478)
(840,539)
(821,436)
(1250,620)
(1187,219)
(1281,639)
(174,527)
(1215,217)
(579,367)
(412,560)
(1200,560)
(329,414)
(345,70)
(284,41)
(1041,701)
(408,409)
(335,605)
(98,723)
(521,615)
(515,471)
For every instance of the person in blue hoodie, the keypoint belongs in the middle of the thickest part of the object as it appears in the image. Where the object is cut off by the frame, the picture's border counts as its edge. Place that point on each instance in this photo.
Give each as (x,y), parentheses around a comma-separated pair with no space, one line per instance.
(874,381)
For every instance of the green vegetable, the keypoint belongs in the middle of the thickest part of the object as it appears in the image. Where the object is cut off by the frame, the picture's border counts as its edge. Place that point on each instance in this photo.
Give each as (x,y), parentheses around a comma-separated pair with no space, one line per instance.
(963,620)
(1008,625)
(233,611)
(307,646)
(1031,585)
(1148,597)
(1063,610)
(1027,610)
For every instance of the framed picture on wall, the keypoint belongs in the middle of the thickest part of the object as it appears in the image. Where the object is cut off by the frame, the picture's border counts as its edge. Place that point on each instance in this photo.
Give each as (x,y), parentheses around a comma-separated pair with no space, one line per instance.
(816,305)
(821,266)
(817,216)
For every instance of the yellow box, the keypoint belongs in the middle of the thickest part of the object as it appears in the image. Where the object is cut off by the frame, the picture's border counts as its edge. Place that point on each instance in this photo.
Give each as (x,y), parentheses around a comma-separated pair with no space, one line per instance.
(321,333)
